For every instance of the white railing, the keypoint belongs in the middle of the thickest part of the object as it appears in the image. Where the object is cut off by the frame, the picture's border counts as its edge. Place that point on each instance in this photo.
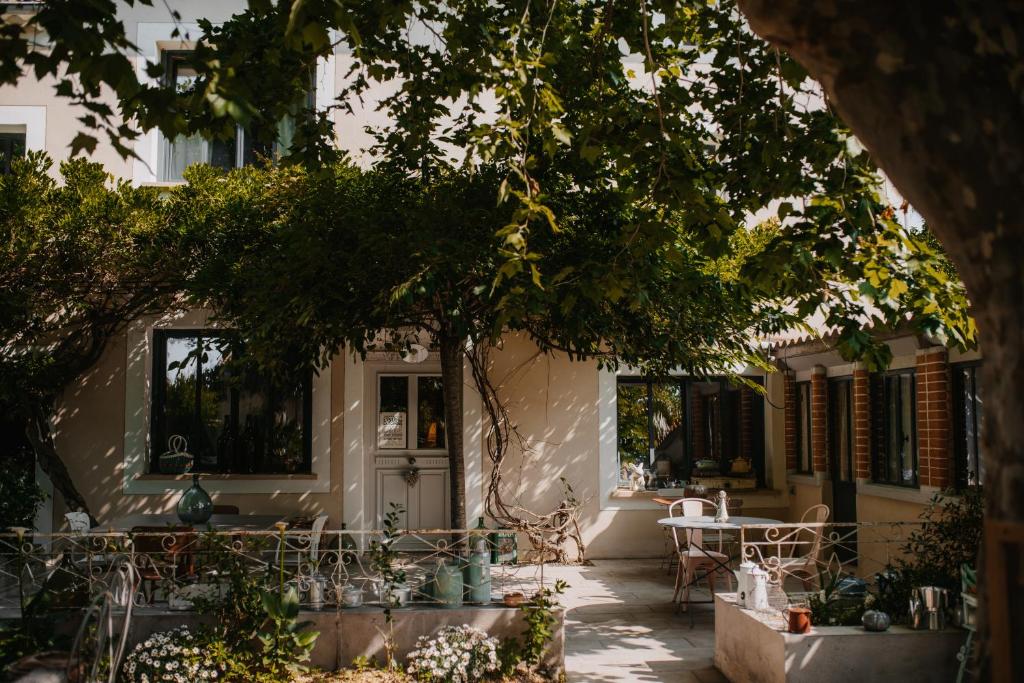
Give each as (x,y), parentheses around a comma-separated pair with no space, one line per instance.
(798,556)
(175,568)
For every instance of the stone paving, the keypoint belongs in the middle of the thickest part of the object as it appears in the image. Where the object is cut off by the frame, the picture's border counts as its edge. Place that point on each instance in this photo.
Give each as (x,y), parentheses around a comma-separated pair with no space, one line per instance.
(621,626)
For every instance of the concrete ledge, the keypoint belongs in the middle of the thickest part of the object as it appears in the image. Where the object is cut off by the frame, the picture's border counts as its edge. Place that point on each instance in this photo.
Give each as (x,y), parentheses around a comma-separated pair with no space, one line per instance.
(748,648)
(349,633)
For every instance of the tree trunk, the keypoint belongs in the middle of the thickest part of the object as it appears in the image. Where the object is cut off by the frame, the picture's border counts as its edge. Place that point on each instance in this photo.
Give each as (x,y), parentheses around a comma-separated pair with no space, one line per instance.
(37,429)
(934,91)
(452,352)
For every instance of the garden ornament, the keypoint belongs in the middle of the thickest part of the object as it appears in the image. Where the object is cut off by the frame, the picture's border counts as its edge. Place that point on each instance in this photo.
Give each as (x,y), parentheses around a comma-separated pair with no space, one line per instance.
(722,513)
(875,620)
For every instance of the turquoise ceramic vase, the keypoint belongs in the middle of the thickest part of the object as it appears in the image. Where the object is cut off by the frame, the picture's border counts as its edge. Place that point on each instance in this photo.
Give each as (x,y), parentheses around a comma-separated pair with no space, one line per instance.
(195,506)
(448,585)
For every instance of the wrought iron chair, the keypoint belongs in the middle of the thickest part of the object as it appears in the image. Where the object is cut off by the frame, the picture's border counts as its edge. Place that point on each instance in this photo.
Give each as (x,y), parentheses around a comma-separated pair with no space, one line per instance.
(693,556)
(161,553)
(805,566)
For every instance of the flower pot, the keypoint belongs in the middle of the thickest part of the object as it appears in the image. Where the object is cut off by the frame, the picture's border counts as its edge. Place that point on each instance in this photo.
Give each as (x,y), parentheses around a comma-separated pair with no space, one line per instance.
(799,619)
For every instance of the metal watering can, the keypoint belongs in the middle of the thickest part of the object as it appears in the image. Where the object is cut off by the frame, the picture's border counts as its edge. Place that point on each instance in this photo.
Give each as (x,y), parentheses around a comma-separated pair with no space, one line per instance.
(744,582)
(928,606)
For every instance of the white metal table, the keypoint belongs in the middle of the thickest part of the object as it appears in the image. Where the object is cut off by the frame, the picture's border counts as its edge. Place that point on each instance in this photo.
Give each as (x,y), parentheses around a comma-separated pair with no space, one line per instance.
(708,523)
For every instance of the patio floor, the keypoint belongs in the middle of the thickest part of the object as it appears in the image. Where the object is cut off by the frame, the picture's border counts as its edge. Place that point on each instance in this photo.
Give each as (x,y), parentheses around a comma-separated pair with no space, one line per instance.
(621,626)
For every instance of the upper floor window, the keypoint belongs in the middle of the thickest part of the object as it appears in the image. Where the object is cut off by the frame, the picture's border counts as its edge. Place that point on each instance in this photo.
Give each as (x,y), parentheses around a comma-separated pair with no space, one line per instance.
(12,146)
(240,149)
(804,456)
(233,419)
(968,415)
(410,412)
(894,429)
(680,428)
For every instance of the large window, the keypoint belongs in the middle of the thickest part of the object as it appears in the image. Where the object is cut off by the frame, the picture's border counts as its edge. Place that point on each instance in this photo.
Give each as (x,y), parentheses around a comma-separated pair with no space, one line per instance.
(410,412)
(667,426)
(238,150)
(12,146)
(804,456)
(968,414)
(894,436)
(232,418)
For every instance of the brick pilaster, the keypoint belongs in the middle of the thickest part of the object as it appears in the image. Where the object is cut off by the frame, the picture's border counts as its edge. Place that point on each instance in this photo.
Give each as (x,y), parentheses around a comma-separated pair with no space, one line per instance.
(789,401)
(862,422)
(933,420)
(819,419)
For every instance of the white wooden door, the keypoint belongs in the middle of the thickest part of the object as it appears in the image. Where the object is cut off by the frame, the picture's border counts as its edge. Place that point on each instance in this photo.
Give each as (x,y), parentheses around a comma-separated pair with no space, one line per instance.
(425,502)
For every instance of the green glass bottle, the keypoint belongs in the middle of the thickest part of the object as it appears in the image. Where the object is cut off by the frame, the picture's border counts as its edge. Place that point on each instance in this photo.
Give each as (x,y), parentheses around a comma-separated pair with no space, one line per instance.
(195,506)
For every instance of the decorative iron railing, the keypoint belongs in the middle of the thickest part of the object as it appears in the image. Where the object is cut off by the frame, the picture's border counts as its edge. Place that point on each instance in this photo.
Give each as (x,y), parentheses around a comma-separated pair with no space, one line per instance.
(799,556)
(329,568)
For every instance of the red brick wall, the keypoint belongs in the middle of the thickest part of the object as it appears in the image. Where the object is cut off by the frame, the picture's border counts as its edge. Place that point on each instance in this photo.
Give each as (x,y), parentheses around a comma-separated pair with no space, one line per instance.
(819,419)
(789,401)
(933,418)
(861,423)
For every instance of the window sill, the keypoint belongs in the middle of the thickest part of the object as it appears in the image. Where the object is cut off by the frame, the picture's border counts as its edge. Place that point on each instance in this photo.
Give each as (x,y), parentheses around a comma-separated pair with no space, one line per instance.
(921,496)
(806,479)
(217,476)
(753,499)
(162,183)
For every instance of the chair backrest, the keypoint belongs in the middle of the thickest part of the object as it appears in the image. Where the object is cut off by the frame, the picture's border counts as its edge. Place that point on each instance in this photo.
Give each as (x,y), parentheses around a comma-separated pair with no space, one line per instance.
(816,514)
(314,538)
(225,509)
(175,545)
(78,522)
(689,507)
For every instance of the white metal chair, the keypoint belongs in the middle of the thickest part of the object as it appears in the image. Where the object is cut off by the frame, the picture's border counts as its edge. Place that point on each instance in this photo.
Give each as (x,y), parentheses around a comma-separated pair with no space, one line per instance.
(693,557)
(805,566)
(78,522)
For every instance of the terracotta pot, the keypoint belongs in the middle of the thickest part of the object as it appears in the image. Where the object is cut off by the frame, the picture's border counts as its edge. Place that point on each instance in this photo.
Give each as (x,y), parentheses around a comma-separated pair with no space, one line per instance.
(799,619)
(513,599)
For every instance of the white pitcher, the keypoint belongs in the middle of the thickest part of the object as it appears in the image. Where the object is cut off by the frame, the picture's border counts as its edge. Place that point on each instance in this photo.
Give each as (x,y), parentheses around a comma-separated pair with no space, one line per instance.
(757,596)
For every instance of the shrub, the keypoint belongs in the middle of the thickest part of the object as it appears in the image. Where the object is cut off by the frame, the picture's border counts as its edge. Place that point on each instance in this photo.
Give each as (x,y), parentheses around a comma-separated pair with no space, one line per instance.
(457,654)
(175,656)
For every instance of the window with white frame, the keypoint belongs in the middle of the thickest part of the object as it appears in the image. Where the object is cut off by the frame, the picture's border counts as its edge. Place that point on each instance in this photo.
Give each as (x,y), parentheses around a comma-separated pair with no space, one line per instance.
(238,150)
(410,412)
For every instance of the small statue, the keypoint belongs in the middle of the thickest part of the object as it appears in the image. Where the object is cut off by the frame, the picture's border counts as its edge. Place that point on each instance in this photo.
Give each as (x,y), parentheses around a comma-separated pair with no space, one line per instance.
(637,477)
(722,513)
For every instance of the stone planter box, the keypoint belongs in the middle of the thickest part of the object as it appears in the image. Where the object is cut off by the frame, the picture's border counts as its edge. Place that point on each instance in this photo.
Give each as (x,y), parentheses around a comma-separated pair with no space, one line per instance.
(349,633)
(755,648)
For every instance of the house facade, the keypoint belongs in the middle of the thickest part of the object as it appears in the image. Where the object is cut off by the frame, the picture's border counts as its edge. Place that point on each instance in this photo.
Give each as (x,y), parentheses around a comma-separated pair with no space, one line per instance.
(366,432)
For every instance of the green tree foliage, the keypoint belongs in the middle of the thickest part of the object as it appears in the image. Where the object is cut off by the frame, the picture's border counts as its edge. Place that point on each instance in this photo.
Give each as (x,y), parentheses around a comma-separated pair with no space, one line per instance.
(81,258)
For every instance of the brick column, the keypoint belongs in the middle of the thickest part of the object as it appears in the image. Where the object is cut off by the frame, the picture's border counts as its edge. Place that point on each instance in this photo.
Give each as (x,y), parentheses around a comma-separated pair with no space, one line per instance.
(861,422)
(789,402)
(819,419)
(933,420)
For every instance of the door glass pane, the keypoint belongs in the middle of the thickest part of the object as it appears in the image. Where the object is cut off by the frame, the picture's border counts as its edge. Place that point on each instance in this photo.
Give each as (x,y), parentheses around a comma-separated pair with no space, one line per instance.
(287,416)
(804,428)
(429,413)
(842,432)
(906,429)
(633,440)
(179,406)
(214,406)
(251,448)
(706,436)
(669,428)
(393,412)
